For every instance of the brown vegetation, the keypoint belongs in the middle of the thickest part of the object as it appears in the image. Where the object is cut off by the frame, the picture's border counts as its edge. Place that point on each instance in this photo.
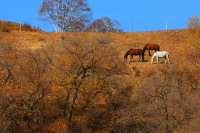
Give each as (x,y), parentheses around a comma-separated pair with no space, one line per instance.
(78,82)
(7,26)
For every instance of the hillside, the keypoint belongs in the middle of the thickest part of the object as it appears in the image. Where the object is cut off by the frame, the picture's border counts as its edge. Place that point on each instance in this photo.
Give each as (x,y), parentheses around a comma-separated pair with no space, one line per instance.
(8,26)
(177,42)
(79,82)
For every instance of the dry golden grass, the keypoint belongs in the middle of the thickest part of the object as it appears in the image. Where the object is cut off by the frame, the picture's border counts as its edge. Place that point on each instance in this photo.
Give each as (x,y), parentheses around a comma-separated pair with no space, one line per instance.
(7,26)
(174,41)
(177,42)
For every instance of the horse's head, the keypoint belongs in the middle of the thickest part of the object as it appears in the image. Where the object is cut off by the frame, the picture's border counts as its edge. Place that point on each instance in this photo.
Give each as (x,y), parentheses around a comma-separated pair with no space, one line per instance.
(126,56)
(145,47)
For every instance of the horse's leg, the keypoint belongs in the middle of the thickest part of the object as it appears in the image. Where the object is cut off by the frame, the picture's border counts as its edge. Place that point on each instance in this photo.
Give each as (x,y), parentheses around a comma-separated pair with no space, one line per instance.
(157,59)
(142,57)
(165,59)
(152,58)
(149,53)
(168,59)
(128,59)
(131,60)
(139,57)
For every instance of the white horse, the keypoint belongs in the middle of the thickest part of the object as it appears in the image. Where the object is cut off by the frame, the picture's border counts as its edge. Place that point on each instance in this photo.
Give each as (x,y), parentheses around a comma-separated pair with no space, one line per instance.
(160,54)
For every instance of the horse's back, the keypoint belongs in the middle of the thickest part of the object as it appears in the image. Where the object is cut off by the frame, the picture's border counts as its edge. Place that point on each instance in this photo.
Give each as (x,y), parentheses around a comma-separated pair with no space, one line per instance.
(161,53)
(132,50)
(166,52)
(152,46)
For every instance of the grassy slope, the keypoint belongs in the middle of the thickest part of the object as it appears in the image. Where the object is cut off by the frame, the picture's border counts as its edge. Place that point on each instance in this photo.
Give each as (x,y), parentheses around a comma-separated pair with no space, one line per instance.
(169,40)
(175,41)
(13,26)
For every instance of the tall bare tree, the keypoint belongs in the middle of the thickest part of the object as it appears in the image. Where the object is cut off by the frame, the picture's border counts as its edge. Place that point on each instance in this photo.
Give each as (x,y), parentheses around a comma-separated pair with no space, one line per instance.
(66,15)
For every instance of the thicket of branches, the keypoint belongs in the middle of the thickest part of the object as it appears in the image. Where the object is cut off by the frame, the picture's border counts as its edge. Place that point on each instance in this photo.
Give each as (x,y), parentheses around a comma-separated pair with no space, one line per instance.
(82,87)
(43,86)
(194,22)
(104,24)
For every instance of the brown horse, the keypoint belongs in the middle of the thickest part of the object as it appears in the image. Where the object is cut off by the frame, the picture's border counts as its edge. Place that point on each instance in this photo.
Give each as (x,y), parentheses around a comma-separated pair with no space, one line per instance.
(132,52)
(150,47)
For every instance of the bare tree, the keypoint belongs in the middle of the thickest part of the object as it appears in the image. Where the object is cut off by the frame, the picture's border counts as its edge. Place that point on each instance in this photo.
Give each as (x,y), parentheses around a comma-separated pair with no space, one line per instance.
(194,22)
(66,15)
(193,39)
(91,72)
(104,24)
(24,85)
(169,101)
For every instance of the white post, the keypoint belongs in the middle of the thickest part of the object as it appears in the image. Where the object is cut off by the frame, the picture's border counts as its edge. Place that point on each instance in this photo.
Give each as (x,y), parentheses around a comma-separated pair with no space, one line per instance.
(132,26)
(166,26)
(20,26)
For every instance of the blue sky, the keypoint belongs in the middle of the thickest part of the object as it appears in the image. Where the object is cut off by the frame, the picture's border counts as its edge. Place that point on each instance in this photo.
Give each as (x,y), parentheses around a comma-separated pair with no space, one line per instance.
(135,15)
